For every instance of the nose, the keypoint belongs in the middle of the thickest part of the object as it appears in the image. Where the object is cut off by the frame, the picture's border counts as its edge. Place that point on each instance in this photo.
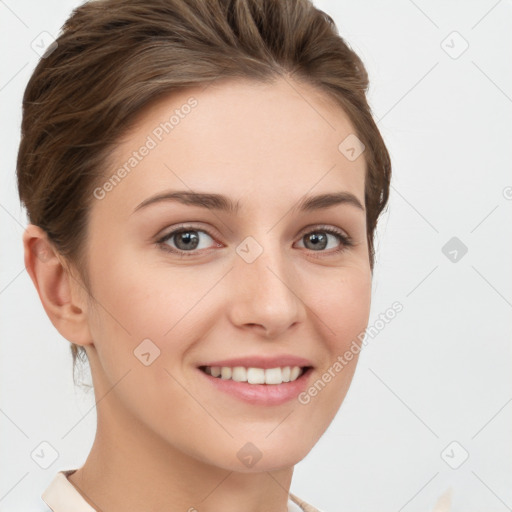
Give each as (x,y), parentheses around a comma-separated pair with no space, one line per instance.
(264,294)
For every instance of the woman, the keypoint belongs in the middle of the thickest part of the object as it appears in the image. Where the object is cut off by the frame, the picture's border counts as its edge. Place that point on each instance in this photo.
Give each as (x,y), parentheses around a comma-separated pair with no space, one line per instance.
(203,182)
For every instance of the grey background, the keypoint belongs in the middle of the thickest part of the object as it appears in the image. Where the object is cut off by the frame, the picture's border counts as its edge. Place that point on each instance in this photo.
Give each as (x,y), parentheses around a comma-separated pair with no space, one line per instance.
(434,385)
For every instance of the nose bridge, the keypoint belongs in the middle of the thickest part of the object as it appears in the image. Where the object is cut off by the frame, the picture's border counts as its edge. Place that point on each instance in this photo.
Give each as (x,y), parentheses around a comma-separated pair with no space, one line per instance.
(263,287)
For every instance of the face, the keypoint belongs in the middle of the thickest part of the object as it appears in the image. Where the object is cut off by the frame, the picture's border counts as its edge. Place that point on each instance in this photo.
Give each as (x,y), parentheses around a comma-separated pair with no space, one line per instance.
(181,283)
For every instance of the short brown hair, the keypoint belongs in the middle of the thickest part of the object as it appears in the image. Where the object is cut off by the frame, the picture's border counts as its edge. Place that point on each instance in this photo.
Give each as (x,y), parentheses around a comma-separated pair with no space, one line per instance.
(115,56)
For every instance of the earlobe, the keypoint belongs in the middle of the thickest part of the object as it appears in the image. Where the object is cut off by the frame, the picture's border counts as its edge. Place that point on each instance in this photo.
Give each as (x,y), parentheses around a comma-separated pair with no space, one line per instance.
(57,289)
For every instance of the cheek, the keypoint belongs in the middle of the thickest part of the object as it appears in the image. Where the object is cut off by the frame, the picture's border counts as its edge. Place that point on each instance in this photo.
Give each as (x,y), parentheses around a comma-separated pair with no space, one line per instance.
(342,303)
(141,332)
(139,301)
(342,307)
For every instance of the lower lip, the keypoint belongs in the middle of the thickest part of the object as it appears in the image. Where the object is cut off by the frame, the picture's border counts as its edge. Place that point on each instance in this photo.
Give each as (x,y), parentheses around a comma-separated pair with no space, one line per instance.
(261,394)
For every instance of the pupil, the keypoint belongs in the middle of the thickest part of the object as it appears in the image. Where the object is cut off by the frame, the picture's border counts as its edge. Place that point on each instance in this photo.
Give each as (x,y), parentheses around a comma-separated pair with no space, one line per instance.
(190,241)
(318,240)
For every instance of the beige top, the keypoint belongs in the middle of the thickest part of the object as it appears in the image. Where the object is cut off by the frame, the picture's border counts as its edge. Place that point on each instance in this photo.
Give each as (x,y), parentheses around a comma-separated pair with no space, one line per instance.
(62,496)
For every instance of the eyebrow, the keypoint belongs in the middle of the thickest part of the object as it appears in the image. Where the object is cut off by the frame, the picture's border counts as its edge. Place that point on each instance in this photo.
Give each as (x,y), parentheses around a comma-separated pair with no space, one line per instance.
(223,203)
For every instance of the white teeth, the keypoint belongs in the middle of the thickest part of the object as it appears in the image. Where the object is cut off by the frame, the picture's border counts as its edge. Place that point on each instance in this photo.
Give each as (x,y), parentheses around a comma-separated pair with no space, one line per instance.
(239,374)
(255,375)
(225,372)
(294,373)
(273,376)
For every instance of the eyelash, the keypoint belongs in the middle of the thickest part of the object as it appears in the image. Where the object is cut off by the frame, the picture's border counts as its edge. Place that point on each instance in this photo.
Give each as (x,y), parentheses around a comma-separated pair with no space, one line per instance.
(346,241)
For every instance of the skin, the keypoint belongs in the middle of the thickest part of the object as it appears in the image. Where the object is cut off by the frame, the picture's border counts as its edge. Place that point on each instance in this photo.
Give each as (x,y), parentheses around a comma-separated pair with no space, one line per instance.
(167,440)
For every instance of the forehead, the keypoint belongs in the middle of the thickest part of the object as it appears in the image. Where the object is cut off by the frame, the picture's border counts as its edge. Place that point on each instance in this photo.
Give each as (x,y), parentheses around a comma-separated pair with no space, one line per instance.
(272,140)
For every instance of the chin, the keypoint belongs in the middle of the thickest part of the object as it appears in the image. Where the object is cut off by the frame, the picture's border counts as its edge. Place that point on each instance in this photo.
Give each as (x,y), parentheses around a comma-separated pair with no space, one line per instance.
(251,457)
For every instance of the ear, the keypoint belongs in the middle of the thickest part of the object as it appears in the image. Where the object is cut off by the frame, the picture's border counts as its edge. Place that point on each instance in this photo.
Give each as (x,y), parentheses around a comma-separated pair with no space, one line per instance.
(62,296)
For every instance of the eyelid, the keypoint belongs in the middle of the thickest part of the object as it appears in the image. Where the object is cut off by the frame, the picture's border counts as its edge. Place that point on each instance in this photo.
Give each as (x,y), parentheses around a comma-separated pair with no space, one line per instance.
(319,227)
(188,225)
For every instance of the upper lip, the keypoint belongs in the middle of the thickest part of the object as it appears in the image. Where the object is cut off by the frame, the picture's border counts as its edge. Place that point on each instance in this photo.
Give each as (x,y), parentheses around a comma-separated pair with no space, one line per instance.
(259,361)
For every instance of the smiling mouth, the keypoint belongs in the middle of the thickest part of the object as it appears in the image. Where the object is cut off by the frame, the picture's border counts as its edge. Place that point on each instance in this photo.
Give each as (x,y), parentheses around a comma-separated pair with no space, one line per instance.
(251,375)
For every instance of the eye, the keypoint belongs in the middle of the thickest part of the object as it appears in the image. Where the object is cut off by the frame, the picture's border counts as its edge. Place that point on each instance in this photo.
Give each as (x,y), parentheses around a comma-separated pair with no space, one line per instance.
(185,239)
(318,239)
